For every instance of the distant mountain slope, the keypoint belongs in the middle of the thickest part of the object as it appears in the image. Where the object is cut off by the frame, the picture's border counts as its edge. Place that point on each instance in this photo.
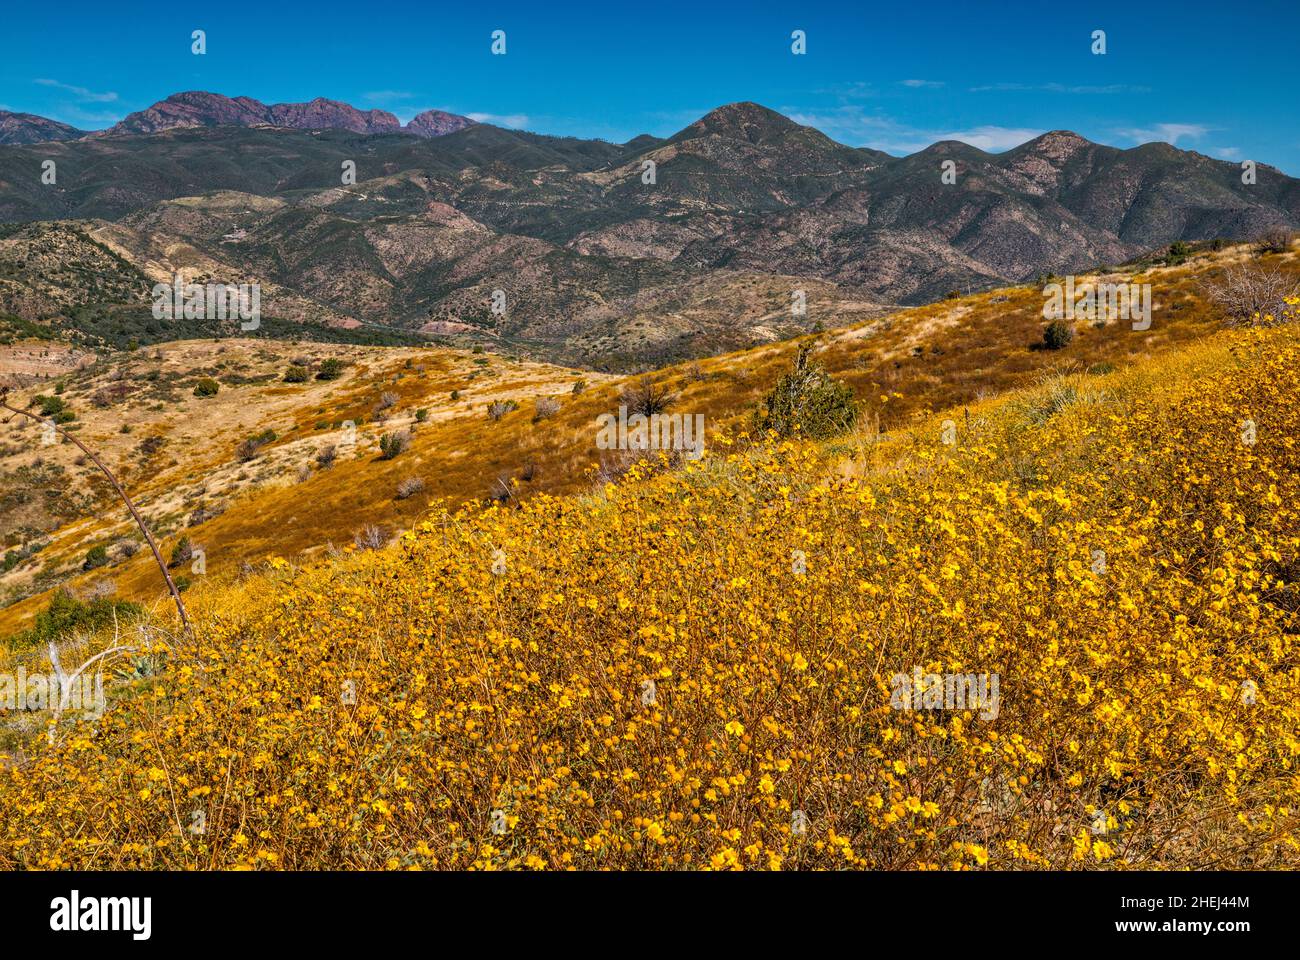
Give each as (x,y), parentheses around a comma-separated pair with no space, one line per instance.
(606,252)
(197,108)
(28,128)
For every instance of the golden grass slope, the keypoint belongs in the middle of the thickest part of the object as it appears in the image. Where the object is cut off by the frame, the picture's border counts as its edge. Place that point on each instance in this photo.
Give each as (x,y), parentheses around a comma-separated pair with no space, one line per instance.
(648,677)
(281,501)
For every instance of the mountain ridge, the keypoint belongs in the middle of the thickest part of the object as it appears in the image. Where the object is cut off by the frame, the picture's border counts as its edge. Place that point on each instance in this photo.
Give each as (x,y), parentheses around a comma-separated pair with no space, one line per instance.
(25,128)
(200,108)
(627,255)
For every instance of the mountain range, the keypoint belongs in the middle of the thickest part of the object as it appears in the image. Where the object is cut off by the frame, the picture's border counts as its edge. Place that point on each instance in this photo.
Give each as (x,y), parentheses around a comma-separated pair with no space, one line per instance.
(607,255)
(197,108)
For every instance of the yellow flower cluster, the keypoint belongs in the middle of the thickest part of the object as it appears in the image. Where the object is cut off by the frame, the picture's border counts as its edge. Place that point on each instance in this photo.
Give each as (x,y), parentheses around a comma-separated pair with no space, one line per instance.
(697,669)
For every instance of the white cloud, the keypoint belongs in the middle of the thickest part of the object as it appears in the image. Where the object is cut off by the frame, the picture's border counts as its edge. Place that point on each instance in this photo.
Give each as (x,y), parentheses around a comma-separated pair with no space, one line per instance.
(514,121)
(89,96)
(927,84)
(849,124)
(993,138)
(1228,153)
(1169,133)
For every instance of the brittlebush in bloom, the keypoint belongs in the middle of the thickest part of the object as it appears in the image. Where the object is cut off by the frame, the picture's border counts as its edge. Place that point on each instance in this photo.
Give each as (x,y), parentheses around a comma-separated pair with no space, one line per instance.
(649,683)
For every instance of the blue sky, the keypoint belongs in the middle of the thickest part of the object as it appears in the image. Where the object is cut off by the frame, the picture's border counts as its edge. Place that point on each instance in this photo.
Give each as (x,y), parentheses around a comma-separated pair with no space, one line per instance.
(1221,78)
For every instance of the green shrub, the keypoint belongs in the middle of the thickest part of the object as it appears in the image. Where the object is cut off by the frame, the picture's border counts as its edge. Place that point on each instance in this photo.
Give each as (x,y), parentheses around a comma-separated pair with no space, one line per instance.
(183,552)
(1057,335)
(207,387)
(330,369)
(50,406)
(392,444)
(296,374)
(808,402)
(66,613)
(15,557)
(96,557)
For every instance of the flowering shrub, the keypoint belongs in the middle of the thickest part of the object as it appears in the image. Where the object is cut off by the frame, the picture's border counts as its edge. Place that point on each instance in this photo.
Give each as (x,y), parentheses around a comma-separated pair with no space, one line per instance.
(693,669)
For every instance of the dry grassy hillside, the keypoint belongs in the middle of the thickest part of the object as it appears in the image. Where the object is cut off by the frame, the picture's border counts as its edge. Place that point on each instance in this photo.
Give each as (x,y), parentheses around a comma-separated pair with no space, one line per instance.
(181,457)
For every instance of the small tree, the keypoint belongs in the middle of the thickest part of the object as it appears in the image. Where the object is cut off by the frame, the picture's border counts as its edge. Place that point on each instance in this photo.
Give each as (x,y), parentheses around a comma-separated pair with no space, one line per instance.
(808,402)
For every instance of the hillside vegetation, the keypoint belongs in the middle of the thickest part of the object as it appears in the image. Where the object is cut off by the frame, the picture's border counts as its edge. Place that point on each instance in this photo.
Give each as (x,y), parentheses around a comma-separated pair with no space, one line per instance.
(694,668)
(240,473)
